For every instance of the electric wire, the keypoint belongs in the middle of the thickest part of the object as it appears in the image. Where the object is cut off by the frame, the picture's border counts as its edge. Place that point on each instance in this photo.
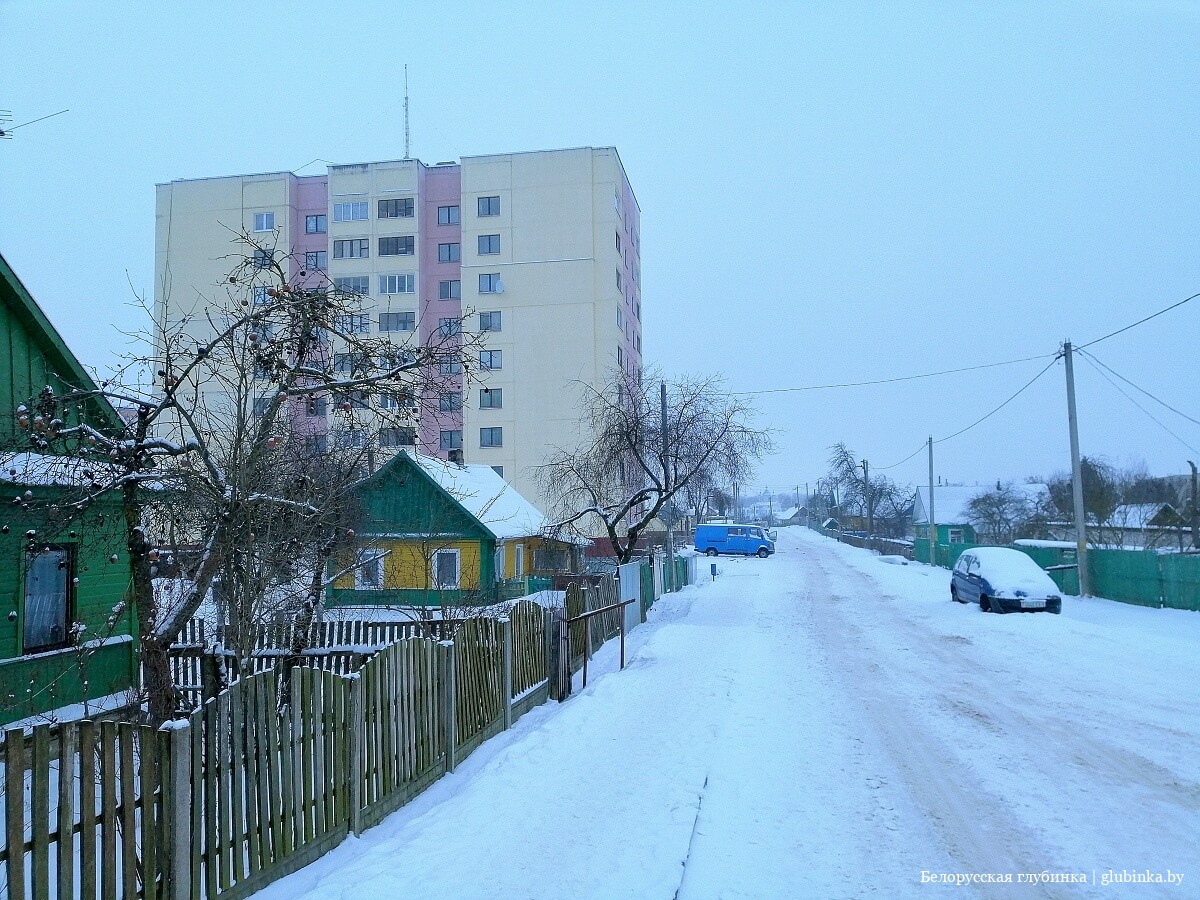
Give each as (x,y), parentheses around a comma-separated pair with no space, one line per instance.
(903,461)
(1140,321)
(1146,412)
(1112,371)
(984,418)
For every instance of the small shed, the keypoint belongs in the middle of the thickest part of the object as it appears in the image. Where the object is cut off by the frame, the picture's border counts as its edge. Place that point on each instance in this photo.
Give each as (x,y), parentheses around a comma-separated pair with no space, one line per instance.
(436,532)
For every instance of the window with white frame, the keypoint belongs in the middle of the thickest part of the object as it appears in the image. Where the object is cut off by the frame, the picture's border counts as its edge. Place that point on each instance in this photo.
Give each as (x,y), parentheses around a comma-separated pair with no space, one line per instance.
(450,290)
(491,398)
(619,282)
(489,283)
(446,570)
(261,296)
(449,326)
(450,440)
(353,323)
(402,400)
(449,253)
(262,258)
(48,595)
(264,221)
(448,215)
(397,321)
(398,284)
(354,248)
(349,439)
(450,365)
(315,224)
(350,211)
(489,321)
(399,436)
(396,209)
(488,206)
(316,259)
(489,244)
(491,359)
(368,573)
(451,402)
(491,437)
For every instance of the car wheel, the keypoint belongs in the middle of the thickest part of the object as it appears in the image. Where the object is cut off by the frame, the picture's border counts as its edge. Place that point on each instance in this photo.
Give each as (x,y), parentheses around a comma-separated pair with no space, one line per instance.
(984,603)
(710,552)
(954,595)
(763,553)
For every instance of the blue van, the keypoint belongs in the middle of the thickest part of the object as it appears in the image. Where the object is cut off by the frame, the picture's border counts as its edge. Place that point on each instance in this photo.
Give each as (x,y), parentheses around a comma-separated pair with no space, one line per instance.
(748,540)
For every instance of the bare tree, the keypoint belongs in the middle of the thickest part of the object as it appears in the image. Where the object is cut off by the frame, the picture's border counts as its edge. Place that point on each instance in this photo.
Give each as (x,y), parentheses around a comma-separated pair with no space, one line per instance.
(1000,515)
(210,448)
(623,473)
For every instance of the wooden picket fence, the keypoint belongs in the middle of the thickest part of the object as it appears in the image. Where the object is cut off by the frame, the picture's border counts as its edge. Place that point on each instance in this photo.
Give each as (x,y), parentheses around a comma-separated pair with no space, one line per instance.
(268,775)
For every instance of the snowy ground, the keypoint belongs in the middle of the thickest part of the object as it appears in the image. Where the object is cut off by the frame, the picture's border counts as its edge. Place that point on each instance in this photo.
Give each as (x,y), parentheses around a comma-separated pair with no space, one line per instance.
(822,724)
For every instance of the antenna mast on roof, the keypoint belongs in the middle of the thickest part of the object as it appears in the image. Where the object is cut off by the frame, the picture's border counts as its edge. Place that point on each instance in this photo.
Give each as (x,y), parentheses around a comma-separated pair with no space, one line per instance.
(406,141)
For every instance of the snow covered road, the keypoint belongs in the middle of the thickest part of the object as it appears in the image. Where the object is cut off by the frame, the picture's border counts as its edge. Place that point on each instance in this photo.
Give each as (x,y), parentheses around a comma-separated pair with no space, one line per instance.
(822,724)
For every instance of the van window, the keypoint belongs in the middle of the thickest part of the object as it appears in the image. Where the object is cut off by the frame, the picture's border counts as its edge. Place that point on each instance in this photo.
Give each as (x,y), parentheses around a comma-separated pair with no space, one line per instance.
(757,532)
(736,532)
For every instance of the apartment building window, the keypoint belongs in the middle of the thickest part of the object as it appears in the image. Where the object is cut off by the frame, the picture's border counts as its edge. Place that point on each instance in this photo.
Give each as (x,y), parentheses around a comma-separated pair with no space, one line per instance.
(356,248)
(618,242)
(398,284)
(351,211)
(402,436)
(316,259)
(396,209)
(404,245)
(349,439)
(491,437)
(315,407)
(49,574)
(449,326)
(264,221)
(397,321)
(449,253)
(489,283)
(620,356)
(489,244)
(620,318)
(353,323)
(450,402)
(491,398)
(448,215)
(450,440)
(262,259)
(348,363)
(353,284)
(402,400)
(260,406)
(489,206)
(489,321)
(316,224)
(491,359)
(450,366)
(260,296)
(351,399)
(316,444)
(499,470)
(620,284)
(450,290)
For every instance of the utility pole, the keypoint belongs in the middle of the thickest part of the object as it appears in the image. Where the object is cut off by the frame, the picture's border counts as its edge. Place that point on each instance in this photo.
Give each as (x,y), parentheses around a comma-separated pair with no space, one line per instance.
(1076,478)
(1195,511)
(931,517)
(870,508)
(669,573)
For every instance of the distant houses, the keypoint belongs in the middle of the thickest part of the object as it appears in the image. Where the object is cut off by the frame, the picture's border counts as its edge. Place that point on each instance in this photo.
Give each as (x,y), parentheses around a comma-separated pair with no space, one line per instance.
(66,632)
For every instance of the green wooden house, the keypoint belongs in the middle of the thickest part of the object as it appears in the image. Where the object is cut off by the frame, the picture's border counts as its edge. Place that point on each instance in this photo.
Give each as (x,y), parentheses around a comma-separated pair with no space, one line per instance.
(66,632)
(436,532)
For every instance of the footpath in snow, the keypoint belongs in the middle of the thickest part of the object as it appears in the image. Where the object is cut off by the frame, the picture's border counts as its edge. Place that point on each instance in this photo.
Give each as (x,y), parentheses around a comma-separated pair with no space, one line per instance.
(822,724)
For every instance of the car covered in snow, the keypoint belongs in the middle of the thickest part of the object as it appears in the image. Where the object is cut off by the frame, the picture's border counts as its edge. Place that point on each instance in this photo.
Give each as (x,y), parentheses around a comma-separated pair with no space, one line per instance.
(1003,580)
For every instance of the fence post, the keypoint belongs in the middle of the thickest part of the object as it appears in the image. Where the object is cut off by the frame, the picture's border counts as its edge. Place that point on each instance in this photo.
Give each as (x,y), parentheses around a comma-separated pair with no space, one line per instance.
(587,626)
(506,680)
(449,701)
(177,810)
(357,734)
(563,668)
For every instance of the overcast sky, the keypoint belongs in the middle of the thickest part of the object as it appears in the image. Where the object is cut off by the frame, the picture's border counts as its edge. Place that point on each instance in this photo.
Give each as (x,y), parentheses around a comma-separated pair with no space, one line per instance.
(830,192)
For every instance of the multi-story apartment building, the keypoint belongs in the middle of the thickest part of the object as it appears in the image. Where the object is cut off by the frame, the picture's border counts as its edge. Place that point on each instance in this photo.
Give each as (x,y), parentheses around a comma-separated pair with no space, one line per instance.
(537,254)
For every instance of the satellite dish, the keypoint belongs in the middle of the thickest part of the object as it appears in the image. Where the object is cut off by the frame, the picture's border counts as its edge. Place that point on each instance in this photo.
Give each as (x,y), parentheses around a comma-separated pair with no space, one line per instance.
(498,288)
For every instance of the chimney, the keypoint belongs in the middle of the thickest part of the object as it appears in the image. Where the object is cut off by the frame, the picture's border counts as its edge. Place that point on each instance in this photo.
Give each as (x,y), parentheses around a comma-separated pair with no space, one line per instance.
(455,456)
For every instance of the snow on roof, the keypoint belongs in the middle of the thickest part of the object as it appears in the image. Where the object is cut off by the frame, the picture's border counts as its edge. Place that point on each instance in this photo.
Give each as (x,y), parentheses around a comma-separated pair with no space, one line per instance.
(43,469)
(1139,515)
(788,513)
(951,500)
(486,496)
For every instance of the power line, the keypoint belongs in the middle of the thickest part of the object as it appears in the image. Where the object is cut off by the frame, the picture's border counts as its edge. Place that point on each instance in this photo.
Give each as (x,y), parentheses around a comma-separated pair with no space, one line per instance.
(903,461)
(1140,321)
(978,421)
(1147,412)
(822,387)
(1142,390)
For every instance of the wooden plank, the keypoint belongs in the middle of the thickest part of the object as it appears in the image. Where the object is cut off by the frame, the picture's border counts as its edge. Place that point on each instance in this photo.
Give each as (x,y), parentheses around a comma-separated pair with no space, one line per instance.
(212,837)
(197,766)
(68,743)
(87,809)
(149,777)
(39,814)
(282,741)
(239,762)
(387,720)
(296,752)
(320,787)
(108,809)
(14,810)
(247,710)
(306,753)
(371,672)
(128,816)
(224,791)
